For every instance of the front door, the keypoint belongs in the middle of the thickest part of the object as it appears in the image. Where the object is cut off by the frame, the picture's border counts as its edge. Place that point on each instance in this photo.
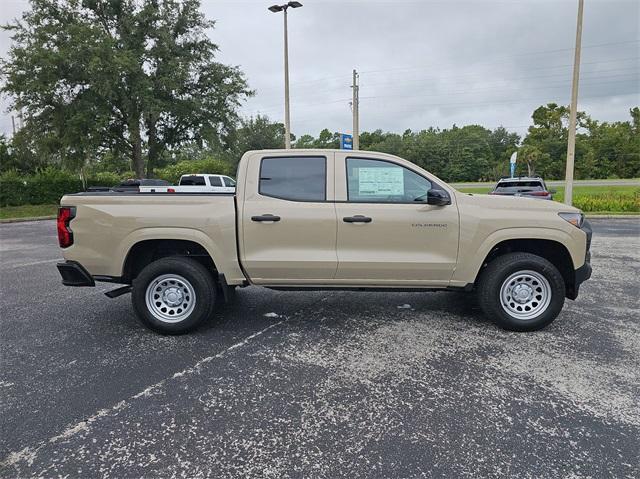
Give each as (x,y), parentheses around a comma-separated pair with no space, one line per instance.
(387,233)
(289,220)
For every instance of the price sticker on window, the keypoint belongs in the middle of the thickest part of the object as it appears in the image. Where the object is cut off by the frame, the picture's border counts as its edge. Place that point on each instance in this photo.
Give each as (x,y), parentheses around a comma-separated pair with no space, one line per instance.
(380,182)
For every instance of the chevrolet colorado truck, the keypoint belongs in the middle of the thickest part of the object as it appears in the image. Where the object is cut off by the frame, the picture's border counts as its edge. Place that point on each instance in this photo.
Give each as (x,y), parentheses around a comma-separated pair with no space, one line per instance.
(325,219)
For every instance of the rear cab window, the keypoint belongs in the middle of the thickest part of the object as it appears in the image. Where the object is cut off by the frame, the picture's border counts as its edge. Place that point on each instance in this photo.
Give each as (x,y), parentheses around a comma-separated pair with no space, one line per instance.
(294,178)
(519,186)
(193,181)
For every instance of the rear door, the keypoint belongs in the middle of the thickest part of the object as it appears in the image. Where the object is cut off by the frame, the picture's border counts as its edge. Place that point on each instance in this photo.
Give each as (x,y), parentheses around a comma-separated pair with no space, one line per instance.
(289,219)
(387,234)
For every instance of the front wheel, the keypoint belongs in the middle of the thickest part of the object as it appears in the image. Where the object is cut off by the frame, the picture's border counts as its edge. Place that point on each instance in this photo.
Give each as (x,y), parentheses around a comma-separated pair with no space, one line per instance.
(173,295)
(521,291)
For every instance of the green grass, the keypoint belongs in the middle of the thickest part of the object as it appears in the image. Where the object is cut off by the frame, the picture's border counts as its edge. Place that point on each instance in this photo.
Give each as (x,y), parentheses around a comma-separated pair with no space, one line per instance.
(592,199)
(27,211)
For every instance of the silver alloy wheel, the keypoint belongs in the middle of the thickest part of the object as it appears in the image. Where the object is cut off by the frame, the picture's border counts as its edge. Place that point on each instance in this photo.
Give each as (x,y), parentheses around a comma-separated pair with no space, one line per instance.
(525,294)
(170,298)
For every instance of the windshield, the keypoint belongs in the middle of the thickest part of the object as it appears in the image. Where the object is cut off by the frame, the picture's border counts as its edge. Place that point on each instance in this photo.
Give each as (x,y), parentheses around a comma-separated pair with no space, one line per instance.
(519,186)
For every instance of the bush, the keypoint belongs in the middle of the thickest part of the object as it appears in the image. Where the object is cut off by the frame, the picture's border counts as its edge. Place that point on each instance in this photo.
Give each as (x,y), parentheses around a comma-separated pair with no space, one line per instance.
(614,202)
(49,185)
(45,187)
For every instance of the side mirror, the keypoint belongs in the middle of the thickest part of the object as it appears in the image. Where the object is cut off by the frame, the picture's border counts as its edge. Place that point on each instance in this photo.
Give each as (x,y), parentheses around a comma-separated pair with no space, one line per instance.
(553,192)
(438,198)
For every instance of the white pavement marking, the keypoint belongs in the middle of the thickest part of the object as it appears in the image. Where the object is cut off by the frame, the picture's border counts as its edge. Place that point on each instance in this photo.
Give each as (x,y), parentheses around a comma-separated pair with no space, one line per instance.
(36,262)
(29,454)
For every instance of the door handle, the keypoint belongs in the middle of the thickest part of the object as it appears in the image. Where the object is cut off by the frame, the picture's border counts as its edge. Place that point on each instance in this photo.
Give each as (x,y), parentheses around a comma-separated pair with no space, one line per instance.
(357,219)
(267,217)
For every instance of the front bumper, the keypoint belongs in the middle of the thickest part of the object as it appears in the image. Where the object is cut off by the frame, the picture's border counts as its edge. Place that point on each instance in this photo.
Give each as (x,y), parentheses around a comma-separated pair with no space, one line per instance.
(583,273)
(74,274)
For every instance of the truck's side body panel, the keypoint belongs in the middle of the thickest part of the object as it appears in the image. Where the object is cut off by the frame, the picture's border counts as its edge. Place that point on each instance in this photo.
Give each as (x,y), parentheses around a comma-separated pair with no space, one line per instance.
(107,226)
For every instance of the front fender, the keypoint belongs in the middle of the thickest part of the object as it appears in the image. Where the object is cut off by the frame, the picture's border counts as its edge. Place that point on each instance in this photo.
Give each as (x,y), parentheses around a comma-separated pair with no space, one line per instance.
(470,259)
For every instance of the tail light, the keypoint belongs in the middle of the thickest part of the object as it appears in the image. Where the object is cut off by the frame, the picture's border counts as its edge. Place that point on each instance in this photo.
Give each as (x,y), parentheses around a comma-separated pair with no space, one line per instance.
(539,193)
(65,235)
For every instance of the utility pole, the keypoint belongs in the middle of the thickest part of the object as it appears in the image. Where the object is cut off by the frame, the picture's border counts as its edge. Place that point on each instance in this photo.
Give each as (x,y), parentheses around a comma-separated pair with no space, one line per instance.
(13,123)
(287,120)
(571,144)
(356,110)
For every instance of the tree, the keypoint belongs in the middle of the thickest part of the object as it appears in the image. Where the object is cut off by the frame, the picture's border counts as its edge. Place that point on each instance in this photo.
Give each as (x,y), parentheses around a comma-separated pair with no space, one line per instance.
(256,134)
(131,76)
(531,156)
(549,134)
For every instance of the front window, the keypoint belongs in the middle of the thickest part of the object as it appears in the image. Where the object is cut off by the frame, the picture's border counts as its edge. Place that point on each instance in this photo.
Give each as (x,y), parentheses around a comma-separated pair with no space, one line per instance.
(379,181)
(229,181)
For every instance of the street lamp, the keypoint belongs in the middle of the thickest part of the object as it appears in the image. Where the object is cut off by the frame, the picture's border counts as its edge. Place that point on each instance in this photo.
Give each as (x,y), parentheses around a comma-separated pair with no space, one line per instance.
(287,125)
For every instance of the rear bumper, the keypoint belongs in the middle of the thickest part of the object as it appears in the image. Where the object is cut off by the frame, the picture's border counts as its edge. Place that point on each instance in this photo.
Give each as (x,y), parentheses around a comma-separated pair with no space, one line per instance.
(74,274)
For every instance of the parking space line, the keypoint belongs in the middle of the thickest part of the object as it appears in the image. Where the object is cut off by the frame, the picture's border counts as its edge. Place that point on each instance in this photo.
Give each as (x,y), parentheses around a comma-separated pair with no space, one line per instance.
(33,263)
(29,454)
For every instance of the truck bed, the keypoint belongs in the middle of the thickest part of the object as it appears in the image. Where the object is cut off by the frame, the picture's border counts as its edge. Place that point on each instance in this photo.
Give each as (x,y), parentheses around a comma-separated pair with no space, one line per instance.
(108,224)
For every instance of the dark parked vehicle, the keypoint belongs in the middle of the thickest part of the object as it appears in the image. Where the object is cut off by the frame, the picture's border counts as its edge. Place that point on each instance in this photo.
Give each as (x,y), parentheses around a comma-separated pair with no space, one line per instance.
(135,184)
(528,186)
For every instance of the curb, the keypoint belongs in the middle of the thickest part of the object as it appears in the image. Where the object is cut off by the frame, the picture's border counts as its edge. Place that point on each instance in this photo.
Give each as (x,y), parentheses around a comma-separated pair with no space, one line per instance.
(23,220)
(612,217)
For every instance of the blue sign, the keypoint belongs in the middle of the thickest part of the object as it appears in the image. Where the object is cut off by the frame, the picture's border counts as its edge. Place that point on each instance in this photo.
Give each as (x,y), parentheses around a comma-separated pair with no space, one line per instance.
(346,142)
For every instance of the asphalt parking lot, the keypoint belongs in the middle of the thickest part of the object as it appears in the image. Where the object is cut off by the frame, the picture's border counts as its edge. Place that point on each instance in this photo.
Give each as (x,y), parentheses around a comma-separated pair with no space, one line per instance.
(338,384)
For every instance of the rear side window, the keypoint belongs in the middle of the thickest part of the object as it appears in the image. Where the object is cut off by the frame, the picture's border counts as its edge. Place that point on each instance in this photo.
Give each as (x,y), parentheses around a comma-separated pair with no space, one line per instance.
(193,181)
(294,178)
(215,181)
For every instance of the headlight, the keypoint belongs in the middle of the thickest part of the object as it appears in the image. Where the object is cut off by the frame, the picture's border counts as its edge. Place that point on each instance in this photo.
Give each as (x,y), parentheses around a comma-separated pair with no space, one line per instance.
(576,219)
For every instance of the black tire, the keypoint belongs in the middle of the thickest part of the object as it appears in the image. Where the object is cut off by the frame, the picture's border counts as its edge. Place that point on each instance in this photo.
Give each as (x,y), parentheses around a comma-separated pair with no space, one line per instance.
(502,268)
(200,288)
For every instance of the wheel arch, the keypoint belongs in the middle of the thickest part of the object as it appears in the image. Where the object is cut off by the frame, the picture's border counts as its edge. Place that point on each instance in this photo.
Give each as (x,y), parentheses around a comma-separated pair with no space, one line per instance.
(551,244)
(144,246)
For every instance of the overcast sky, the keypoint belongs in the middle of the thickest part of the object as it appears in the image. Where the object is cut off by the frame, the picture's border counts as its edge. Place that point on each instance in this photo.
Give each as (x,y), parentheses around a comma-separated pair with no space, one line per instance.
(424,63)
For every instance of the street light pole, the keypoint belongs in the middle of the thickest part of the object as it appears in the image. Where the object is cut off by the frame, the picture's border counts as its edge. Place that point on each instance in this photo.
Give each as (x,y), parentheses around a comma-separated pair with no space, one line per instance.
(571,142)
(287,118)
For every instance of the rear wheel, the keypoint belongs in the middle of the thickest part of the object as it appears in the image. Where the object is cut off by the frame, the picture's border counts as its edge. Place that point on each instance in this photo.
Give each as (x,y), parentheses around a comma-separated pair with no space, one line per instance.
(173,295)
(521,291)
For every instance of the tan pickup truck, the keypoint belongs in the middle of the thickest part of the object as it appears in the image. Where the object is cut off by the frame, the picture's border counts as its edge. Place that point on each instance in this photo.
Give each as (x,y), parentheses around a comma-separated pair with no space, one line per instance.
(325,219)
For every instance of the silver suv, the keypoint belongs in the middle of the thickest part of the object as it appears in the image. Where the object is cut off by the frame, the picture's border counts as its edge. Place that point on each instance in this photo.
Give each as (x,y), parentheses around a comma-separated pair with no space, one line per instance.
(528,186)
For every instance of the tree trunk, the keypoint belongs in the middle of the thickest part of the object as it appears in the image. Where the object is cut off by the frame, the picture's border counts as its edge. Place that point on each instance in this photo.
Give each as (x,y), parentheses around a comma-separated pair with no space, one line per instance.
(154,147)
(136,142)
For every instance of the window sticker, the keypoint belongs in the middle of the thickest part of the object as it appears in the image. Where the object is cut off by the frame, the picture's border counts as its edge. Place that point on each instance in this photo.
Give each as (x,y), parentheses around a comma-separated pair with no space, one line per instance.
(380,181)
